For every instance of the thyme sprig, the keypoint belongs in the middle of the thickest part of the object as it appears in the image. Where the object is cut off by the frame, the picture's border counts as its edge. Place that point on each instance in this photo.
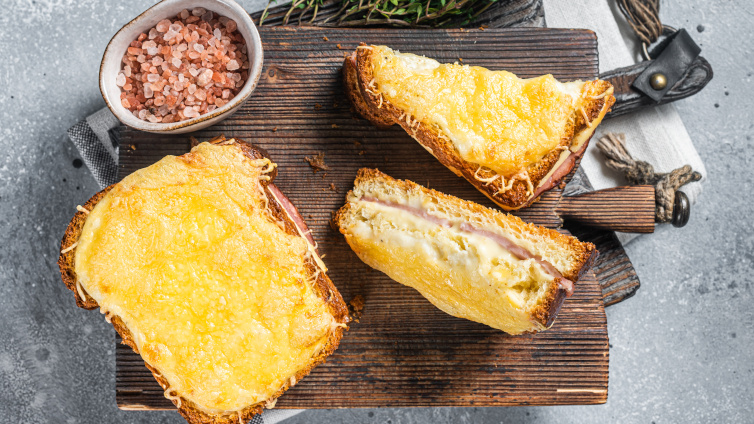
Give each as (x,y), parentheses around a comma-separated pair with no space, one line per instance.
(400,13)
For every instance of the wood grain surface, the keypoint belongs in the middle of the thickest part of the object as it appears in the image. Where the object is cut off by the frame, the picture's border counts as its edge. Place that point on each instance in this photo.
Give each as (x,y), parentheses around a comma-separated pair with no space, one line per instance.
(404,351)
(628,209)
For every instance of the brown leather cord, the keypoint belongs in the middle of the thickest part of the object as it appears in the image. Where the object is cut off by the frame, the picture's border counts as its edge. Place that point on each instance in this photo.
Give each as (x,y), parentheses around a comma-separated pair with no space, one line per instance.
(613,146)
(644,18)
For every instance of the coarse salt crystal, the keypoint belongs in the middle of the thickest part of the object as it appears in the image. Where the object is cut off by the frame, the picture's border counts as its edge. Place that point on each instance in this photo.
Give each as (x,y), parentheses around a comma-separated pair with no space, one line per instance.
(153,77)
(217,33)
(176,62)
(232,65)
(184,14)
(198,47)
(199,11)
(194,72)
(204,78)
(163,25)
(141,58)
(192,88)
(190,112)
(120,80)
(148,92)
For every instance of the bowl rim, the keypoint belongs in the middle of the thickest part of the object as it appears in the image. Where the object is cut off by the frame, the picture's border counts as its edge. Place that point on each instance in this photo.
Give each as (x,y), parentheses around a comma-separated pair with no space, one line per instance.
(255,68)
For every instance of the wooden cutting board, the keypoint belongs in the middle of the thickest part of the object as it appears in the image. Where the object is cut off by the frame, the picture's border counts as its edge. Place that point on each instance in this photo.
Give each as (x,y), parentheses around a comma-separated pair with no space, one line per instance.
(403,351)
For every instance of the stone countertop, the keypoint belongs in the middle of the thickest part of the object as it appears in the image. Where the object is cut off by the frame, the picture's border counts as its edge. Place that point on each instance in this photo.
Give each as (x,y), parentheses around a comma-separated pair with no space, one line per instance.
(682,349)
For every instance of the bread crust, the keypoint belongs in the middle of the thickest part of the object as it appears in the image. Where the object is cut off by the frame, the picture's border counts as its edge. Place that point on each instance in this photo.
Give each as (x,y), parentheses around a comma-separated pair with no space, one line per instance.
(545,312)
(324,288)
(370,104)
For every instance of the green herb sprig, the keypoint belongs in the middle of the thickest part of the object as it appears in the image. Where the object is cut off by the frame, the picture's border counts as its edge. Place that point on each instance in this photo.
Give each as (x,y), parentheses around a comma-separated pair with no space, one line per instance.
(400,13)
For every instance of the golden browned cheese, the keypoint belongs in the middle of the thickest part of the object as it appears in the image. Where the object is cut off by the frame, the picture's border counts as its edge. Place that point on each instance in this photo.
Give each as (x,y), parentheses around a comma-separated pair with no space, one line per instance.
(215,293)
(493,118)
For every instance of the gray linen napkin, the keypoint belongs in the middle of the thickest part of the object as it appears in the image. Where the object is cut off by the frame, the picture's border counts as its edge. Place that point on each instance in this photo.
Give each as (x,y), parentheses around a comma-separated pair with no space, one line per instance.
(656,135)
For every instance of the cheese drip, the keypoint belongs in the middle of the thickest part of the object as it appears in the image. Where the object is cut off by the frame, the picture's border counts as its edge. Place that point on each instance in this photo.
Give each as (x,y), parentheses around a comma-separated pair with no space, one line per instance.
(493,118)
(215,293)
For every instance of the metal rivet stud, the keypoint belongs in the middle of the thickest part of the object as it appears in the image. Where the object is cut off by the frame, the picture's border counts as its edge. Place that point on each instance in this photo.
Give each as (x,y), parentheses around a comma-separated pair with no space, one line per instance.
(681,209)
(658,81)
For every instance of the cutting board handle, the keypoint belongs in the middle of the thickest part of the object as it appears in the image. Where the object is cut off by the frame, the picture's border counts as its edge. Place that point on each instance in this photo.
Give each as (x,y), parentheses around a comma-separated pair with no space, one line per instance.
(629,209)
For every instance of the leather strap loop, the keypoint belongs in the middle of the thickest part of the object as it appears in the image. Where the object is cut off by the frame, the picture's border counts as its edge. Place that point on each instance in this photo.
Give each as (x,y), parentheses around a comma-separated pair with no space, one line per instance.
(672,63)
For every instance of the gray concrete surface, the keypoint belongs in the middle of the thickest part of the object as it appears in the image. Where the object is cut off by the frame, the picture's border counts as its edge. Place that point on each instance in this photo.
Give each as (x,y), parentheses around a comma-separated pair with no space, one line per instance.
(682,348)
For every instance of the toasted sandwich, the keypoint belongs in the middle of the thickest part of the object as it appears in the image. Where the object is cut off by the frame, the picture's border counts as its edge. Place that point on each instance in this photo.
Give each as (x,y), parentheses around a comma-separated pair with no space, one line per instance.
(468,260)
(207,271)
(512,138)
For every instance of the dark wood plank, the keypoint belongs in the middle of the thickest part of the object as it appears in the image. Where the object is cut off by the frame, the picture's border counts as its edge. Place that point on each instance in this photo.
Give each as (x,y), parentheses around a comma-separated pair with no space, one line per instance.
(626,208)
(404,352)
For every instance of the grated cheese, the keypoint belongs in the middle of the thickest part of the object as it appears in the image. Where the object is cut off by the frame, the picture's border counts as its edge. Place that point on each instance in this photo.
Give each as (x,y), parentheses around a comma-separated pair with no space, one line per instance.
(69,248)
(583,113)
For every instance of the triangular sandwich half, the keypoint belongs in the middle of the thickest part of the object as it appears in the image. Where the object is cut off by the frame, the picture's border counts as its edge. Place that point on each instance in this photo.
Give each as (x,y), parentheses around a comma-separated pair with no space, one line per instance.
(512,138)
(468,260)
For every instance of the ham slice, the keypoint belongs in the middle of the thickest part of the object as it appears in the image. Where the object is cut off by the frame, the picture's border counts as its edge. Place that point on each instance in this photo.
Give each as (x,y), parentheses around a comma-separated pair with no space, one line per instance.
(504,242)
(292,212)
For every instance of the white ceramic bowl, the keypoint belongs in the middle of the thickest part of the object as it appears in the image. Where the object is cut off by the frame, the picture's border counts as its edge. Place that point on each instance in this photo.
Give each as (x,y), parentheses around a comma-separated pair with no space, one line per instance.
(111,63)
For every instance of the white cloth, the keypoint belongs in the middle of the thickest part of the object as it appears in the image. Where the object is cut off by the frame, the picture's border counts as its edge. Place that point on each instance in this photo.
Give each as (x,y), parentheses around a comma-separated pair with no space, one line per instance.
(655,135)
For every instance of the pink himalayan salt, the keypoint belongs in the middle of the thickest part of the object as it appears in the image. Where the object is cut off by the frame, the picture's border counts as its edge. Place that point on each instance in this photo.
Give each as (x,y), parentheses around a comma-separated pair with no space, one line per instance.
(207,51)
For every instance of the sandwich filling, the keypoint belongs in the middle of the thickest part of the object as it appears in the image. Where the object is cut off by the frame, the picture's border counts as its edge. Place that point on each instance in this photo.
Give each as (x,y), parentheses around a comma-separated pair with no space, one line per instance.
(217,295)
(493,118)
(469,230)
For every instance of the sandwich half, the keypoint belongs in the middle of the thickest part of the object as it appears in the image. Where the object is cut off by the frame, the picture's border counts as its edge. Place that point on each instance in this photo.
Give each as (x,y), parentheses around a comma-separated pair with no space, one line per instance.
(468,260)
(208,272)
(512,138)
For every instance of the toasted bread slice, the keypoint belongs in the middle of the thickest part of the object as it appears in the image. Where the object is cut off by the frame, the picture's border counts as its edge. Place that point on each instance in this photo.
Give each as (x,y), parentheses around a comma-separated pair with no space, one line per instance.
(512,138)
(468,260)
(207,271)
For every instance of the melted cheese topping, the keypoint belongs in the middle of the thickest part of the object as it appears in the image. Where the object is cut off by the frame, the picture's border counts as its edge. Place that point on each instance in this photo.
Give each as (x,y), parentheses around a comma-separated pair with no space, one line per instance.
(493,118)
(215,293)
(464,274)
